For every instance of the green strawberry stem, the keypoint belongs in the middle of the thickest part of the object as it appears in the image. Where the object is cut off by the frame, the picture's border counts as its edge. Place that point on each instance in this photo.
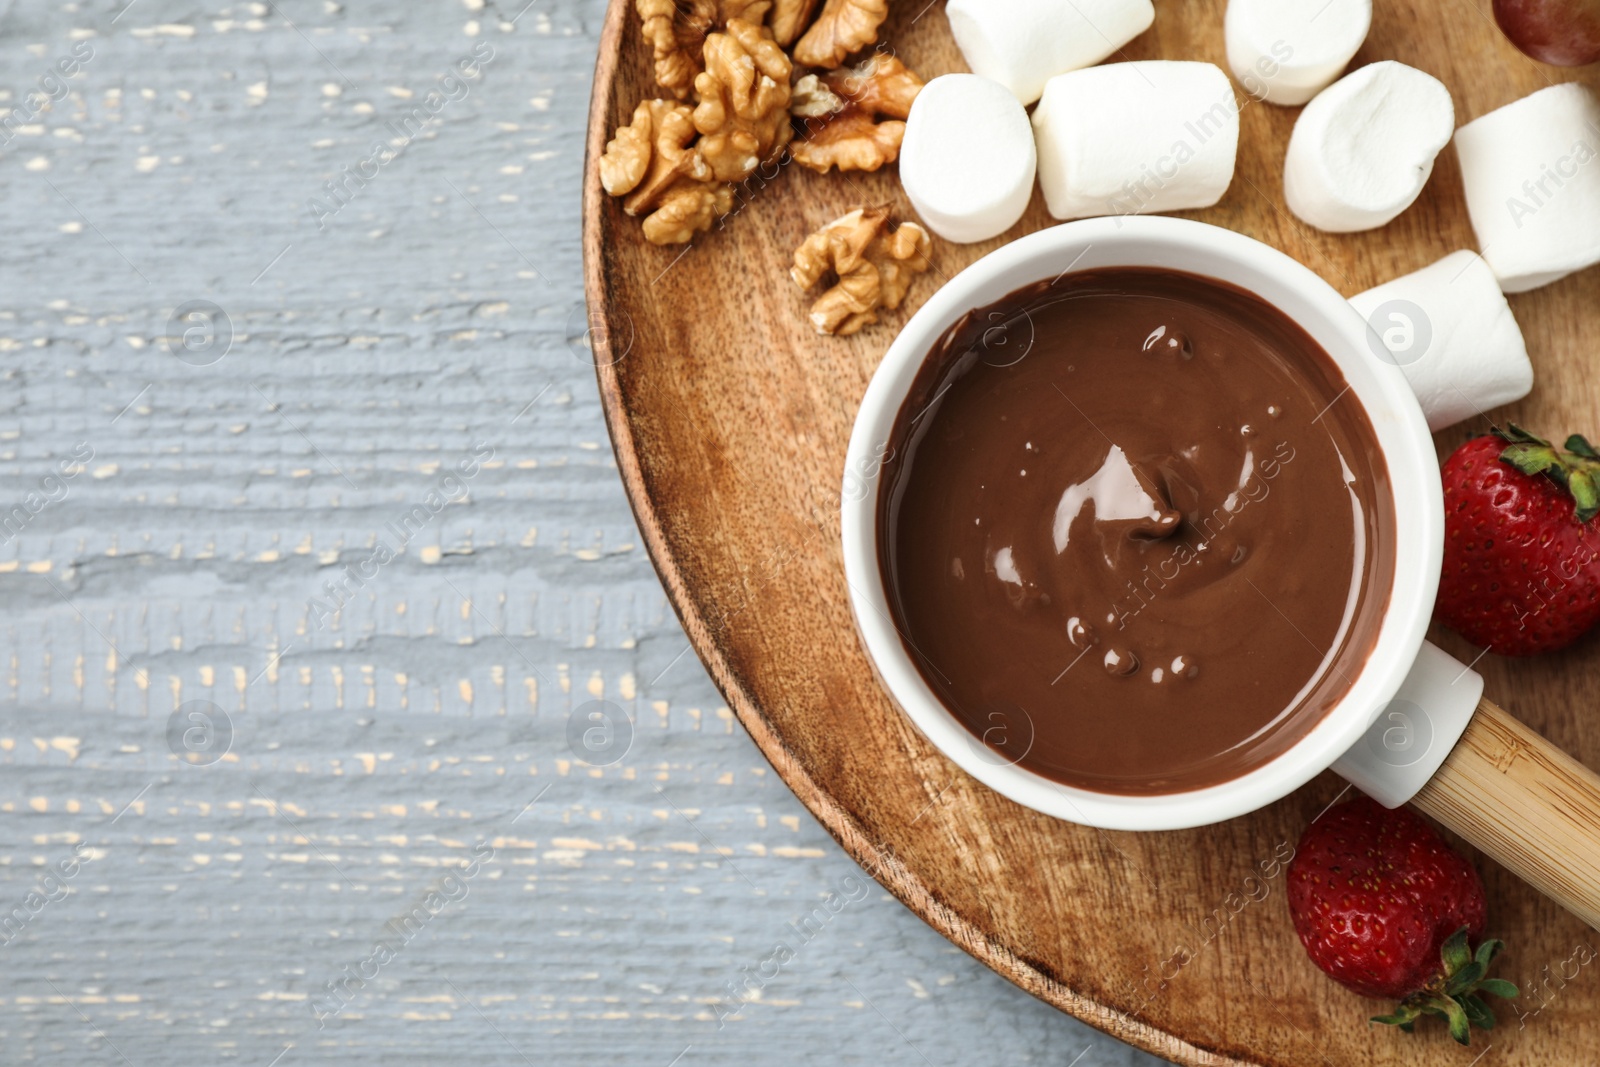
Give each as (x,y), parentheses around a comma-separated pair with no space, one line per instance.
(1577,470)
(1454,994)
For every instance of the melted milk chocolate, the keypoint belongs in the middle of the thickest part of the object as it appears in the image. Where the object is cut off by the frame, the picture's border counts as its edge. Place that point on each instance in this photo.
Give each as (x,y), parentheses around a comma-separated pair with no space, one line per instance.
(1135,532)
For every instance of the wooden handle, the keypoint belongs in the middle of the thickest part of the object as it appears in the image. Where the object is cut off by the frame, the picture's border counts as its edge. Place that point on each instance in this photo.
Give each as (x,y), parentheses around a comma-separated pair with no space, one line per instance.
(1531,807)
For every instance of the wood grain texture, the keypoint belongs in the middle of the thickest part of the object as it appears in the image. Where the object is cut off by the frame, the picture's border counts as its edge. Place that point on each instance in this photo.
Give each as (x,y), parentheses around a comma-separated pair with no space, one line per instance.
(730,421)
(1527,804)
(440,307)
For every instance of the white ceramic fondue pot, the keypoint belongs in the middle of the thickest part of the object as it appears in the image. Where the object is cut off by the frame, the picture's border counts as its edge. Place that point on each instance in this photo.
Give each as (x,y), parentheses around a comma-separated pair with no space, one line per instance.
(1413,725)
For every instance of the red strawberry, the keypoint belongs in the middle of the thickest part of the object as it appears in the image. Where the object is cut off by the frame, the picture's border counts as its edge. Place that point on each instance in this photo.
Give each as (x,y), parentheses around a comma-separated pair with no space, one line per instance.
(1386,908)
(1521,556)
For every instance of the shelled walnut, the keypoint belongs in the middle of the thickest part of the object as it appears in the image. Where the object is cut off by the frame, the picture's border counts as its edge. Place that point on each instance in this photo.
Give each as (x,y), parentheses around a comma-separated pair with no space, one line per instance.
(661,175)
(737,72)
(873,265)
(790,18)
(686,209)
(854,117)
(677,29)
(743,109)
(845,26)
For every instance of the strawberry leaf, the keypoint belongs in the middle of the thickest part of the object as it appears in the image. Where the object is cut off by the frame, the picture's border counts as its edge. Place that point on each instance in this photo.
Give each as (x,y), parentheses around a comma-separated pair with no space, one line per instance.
(1499,987)
(1584,495)
(1577,469)
(1455,993)
(1478,1013)
(1579,445)
(1532,458)
(1513,432)
(1460,1027)
(1454,952)
(1464,979)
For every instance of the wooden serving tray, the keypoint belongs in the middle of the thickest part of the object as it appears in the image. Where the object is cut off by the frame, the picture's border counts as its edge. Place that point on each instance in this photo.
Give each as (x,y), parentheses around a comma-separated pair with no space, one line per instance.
(730,420)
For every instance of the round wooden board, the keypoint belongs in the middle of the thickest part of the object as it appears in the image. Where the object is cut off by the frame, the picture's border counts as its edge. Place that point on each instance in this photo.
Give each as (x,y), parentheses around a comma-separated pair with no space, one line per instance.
(730,420)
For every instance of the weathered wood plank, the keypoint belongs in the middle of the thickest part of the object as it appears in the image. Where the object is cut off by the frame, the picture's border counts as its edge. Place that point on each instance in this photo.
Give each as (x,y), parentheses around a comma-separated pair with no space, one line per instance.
(438,311)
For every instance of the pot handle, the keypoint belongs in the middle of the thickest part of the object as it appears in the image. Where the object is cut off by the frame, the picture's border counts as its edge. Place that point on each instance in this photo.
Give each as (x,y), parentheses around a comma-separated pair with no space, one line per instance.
(1415,730)
(1462,759)
(1524,803)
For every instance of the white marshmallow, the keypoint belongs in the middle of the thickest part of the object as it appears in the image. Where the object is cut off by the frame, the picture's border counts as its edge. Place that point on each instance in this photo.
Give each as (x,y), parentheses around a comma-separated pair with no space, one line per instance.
(1287,51)
(1531,172)
(1364,148)
(967,160)
(1024,43)
(1134,138)
(1451,332)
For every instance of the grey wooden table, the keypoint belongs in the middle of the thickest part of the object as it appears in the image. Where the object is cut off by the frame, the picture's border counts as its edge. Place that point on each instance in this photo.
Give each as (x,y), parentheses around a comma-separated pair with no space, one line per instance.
(343,717)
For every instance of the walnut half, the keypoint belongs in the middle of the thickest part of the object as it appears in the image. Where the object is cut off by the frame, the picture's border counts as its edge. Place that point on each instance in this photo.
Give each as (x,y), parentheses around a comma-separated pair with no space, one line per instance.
(853,117)
(844,26)
(790,18)
(743,109)
(874,267)
(653,166)
(676,32)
